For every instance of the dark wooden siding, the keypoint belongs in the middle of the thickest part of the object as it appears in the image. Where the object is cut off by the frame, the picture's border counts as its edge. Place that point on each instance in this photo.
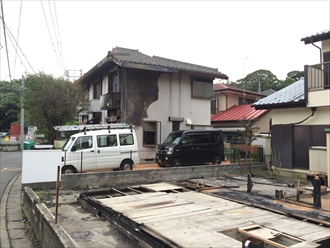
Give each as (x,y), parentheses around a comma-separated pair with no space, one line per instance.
(290,144)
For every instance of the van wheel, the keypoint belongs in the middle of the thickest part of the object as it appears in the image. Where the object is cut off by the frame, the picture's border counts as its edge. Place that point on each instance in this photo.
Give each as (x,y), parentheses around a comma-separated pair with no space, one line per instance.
(68,169)
(216,159)
(176,162)
(126,165)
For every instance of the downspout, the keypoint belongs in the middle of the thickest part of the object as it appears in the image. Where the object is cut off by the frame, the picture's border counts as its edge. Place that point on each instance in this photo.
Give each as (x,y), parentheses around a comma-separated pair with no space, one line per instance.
(318,48)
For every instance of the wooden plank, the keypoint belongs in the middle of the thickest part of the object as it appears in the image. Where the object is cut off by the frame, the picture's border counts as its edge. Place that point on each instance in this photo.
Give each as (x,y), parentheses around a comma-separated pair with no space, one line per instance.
(173,218)
(160,187)
(192,219)
(173,210)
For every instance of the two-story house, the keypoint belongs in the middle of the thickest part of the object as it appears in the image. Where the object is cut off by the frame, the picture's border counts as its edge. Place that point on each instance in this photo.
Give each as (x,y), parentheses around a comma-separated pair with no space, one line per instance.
(230,107)
(157,95)
(301,114)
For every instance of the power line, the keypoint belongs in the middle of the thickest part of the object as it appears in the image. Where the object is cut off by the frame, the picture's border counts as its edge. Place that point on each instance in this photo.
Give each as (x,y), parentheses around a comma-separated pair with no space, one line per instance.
(50,35)
(19,24)
(59,37)
(4,31)
(8,30)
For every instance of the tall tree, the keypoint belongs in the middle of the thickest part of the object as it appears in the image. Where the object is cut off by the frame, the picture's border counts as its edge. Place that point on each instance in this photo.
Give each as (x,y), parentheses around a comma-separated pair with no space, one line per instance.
(10,103)
(50,102)
(263,78)
(266,80)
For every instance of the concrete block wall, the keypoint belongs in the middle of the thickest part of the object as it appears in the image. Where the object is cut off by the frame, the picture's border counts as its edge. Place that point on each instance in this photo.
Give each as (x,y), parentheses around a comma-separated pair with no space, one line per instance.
(43,222)
(127,178)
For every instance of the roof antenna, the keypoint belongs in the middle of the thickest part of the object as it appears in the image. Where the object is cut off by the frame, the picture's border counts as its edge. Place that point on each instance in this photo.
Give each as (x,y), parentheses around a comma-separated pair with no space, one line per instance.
(109,129)
(244,101)
(84,130)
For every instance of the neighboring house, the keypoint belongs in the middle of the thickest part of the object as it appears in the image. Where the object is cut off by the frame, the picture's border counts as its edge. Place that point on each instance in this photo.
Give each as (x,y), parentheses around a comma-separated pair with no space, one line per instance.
(232,120)
(267,92)
(231,106)
(226,96)
(300,115)
(155,94)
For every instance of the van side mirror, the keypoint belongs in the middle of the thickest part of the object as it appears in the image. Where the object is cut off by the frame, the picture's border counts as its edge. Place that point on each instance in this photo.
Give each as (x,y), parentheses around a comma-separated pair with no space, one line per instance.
(183,142)
(74,148)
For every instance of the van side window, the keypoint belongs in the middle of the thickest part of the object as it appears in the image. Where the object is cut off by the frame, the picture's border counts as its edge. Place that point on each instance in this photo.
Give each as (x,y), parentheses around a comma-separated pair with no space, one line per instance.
(106,140)
(84,142)
(205,138)
(126,139)
(187,140)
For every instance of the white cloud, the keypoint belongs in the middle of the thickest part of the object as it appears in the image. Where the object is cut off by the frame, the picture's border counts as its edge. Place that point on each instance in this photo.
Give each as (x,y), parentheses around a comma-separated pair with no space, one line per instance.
(218,34)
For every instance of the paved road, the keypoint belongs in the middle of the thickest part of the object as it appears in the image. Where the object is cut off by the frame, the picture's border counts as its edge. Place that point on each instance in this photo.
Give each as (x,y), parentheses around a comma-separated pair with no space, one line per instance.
(11,165)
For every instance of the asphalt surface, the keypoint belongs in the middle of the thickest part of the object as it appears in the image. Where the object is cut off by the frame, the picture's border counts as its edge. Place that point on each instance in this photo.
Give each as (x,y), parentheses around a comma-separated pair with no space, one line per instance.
(13,226)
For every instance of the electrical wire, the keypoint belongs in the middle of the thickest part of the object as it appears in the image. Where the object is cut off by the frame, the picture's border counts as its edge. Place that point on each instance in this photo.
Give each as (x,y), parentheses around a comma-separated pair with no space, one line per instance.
(4,31)
(50,35)
(19,24)
(55,33)
(59,37)
(12,36)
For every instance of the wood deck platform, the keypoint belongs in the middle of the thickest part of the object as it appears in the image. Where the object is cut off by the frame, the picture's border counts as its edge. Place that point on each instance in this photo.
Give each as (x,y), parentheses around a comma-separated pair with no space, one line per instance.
(192,219)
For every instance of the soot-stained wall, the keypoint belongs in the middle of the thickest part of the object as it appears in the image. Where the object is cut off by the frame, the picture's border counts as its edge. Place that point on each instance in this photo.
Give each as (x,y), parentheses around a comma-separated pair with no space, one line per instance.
(141,87)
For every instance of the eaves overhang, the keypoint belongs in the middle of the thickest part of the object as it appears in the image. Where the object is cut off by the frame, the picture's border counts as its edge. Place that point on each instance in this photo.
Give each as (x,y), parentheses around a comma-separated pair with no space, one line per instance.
(145,67)
(282,105)
(240,91)
(320,36)
(85,79)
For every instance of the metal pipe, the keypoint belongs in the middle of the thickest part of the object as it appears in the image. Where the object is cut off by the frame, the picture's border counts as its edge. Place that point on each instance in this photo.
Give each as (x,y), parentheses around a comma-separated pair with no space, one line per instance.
(320,52)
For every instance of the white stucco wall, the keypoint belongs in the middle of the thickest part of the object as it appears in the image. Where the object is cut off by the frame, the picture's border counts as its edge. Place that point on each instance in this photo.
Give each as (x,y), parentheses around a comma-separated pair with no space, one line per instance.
(174,100)
(288,116)
(263,122)
(326,46)
(319,98)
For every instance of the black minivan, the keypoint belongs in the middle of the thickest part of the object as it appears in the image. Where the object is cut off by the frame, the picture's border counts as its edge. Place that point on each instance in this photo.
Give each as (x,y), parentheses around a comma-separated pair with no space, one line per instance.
(187,147)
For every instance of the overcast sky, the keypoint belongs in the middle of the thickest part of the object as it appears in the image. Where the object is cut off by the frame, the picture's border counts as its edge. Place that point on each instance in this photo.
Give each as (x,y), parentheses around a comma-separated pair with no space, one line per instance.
(237,37)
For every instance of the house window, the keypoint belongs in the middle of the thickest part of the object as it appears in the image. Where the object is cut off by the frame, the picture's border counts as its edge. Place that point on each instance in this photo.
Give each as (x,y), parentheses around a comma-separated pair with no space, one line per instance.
(214,108)
(113,83)
(97,90)
(202,88)
(244,101)
(151,133)
(175,125)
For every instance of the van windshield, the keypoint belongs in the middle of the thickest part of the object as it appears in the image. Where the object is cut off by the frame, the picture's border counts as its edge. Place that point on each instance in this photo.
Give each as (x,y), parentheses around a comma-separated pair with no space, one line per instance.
(173,138)
(67,144)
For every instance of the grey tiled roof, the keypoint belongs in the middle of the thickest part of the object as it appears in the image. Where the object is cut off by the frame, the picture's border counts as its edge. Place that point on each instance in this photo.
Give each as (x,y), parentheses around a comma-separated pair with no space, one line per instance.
(124,56)
(290,95)
(323,35)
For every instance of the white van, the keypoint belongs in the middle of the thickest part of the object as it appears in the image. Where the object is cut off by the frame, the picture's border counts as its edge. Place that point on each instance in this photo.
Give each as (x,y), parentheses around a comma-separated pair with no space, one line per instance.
(100,150)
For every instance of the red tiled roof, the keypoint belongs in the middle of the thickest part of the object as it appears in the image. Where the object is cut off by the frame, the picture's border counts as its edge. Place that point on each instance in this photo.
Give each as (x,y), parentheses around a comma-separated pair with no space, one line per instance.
(238,113)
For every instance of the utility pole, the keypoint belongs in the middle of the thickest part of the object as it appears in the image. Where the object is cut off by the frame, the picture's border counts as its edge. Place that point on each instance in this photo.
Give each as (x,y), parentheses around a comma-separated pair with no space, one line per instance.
(22,116)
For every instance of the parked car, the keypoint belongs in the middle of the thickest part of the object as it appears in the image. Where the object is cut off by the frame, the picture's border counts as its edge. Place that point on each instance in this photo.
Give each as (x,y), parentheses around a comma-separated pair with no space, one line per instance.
(191,147)
(100,150)
(5,132)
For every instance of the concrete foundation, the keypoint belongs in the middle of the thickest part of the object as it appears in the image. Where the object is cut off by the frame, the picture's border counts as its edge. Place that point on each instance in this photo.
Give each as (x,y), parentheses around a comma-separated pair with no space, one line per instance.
(127,178)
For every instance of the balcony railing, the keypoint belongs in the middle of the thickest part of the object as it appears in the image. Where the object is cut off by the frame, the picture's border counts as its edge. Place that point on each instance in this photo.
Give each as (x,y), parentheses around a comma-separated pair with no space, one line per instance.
(94,106)
(110,101)
(318,76)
